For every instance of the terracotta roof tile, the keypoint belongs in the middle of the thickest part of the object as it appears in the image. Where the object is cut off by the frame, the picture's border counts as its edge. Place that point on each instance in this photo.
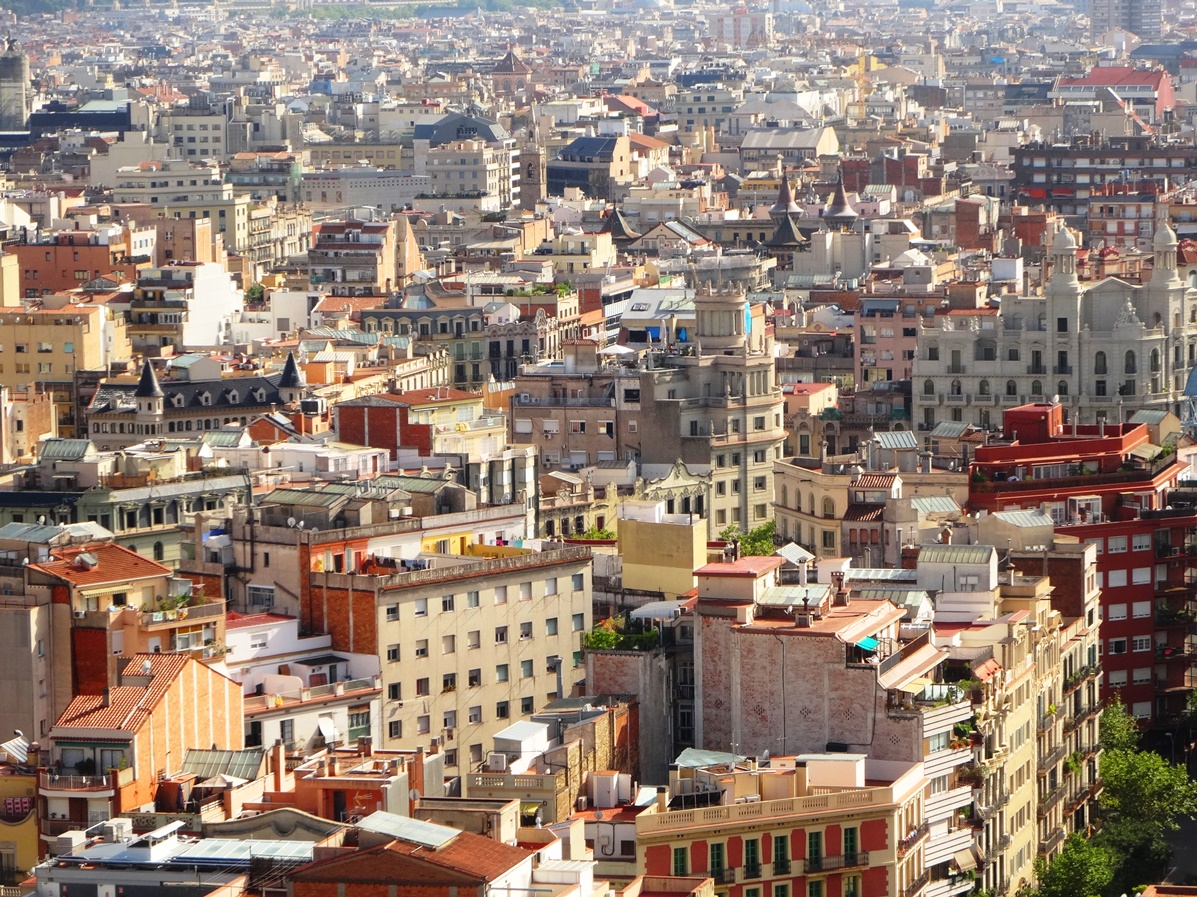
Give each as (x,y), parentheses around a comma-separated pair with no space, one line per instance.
(115,564)
(128,706)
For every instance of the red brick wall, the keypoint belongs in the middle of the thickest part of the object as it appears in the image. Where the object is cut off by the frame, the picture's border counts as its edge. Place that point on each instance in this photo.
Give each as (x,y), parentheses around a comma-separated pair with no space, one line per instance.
(351,621)
(90,652)
(381,427)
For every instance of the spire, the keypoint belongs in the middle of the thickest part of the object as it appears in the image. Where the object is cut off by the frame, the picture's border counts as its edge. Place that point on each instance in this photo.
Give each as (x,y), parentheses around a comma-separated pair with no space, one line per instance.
(839,211)
(290,378)
(147,386)
(785,204)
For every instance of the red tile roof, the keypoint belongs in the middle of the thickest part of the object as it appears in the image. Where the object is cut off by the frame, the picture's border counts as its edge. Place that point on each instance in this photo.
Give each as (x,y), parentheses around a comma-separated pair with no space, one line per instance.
(234,620)
(127,706)
(114,564)
(468,855)
(749,566)
(874,481)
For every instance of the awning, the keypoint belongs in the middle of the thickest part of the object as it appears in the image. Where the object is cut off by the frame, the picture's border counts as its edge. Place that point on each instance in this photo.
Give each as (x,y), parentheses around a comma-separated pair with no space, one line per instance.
(868,643)
(530,807)
(915,685)
(1145,452)
(658,610)
(965,859)
(328,729)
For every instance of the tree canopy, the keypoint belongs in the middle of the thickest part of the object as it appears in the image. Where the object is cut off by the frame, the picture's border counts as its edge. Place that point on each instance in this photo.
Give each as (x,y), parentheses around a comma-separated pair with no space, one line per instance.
(755,542)
(1082,869)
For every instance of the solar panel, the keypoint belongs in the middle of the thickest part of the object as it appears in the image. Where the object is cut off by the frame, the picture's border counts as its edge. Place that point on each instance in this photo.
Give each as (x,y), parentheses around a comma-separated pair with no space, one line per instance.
(227,852)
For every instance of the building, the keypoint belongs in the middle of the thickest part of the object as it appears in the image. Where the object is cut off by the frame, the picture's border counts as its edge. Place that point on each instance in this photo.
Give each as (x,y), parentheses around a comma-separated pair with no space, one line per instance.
(353,258)
(597,166)
(760,827)
(73,258)
(188,190)
(108,750)
(1095,345)
(1110,486)
(1142,18)
(16,88)
(186,305)
(719,411)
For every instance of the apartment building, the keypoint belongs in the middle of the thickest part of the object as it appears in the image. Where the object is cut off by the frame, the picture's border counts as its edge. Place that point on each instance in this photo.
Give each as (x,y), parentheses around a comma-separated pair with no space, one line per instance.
(1095,345)
(1110,486)
(806,824)
(183,305)
(719,410)
(108,750)
(188,190)
(353,258)
(72,258)
(468,644)
(473,168)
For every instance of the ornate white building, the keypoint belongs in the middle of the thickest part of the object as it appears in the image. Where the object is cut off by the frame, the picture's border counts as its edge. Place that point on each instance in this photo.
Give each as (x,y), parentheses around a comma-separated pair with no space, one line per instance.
(1106,348)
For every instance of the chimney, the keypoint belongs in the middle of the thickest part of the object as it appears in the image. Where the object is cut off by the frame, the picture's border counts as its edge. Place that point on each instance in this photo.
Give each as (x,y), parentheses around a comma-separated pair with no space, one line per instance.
(332,765)
(945,535)
(320,769)
(841,593)
(107,696)
(279,761)
(802,565)
(365,746)
(1101,427)
(662,799)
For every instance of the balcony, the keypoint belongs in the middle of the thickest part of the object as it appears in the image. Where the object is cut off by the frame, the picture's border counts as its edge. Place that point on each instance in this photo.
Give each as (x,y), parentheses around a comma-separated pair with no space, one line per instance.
(723,876)
(957,369)
(162,618)
(1077,679)
(752,870)
(917,885)
(1036,369)
(831,863)
(332,691)
(1049,761)
(1047,720)
(1050,799)
(1062,369)
(52,784)
(781,867)
(908,843)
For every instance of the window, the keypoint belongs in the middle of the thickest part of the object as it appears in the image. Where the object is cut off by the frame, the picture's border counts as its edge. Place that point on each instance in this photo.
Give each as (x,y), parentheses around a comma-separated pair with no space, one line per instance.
(472,599)
(1117,646)
(393,691)
(1116,579)
(421,607)
(475,714)
(1141,643)
(1011,388)
(448,644)
(577,582)
(851,885)
(422,647)
(474,677)
(1116,612)
(758,423)
(260,596)
(550,626)
(526,671)
(1141,610)
(1142,676)
(422,687)
(681,861)
(473,638)
(1116,678)
(716,862)
(500,594)
(392,613)
(577,426)
(526,706)
(579,622)
(525,591)
(550,586)
(1141,710)
(501,673)
(752,857)
(449,682)
(500,635)
(447,603)
(502,710)
(359,722)
(1099,363)
(423,725)
(781,891)
(938,742)
(1141,542)
(525,630)
(395,729)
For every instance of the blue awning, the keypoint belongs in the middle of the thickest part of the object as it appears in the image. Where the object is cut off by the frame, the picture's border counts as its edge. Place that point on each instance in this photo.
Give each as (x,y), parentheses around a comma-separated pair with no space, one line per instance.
(868,643)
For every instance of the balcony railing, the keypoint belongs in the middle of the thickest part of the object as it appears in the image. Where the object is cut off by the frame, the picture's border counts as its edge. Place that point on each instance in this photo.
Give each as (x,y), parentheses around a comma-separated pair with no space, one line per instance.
(842,861)
(917,885)
(781,867)
(1048,761)
(752,870)
(723,876)
(190,614)
(905,845)
(48,781)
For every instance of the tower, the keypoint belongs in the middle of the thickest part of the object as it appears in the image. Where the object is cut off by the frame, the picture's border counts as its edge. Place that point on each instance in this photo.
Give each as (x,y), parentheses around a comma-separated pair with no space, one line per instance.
(532,165)
(291,386)
(151,401)
(14,88)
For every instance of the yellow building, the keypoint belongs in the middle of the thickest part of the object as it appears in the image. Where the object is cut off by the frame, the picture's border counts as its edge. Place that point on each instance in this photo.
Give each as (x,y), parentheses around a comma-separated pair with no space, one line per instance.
(660,551)
(19,845)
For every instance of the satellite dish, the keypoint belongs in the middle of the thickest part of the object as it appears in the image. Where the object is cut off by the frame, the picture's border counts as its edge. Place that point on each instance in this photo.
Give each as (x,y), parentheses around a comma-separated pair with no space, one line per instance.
(302,524)
(765,756)
(414,794)
(41,520)
(315,529)
(291,521)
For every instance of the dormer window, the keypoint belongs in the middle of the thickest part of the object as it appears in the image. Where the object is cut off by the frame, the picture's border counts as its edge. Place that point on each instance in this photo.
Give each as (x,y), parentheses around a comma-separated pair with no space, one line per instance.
(259,395)
(234,398)
(205,398)
(177,400)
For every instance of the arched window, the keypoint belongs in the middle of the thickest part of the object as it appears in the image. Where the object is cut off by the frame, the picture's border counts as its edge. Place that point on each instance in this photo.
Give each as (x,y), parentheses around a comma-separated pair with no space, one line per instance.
(1062,388)
(1036,387)
(928,387)
(1128,363)
(1155,361)
(1099,363)
(1193,278)
(956,388)
(785,496)
(1011,388)
(810,503)
(828,508)
(983,388)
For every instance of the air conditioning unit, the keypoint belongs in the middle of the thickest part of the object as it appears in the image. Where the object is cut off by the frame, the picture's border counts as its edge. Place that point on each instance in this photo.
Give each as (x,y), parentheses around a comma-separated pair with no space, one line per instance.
(582,804)
(80,614)
(496,762)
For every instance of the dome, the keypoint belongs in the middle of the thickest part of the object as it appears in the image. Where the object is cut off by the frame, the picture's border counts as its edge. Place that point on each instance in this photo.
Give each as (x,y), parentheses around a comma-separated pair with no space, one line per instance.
(1165,237)
(1064,241)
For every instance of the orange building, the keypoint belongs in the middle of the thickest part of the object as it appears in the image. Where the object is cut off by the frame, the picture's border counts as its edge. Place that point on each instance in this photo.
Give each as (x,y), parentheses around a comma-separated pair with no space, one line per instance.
(73,259)
(108,751)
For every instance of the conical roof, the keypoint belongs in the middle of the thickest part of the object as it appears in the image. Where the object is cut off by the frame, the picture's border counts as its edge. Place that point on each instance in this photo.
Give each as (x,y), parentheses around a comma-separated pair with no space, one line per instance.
(785,204)
(148,386)
(786,233)
(618,226)
(511,65)
(839,210)
(290,378)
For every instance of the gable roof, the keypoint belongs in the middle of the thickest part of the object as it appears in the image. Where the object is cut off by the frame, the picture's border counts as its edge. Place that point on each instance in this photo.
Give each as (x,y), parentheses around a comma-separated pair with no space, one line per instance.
(102,564)
(126,707)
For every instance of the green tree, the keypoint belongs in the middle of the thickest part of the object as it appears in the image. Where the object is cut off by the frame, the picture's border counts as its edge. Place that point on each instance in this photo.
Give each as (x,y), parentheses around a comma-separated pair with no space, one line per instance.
(255,293)
(755,542)
(596,533)
(1119,732)
(1143,789)
(1082,869)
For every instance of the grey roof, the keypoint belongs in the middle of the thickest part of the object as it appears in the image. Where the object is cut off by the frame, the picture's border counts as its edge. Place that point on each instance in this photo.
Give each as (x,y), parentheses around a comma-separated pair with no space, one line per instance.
(424,485)
(1034,517)
(205,764)
(1148,416)
(290,377)
(64,449)
(794,596)
(460,127)
(118,397)
(950,429)
(956,554)
(692,758)
(41,534)
(147,384)
(223,438)
(599,148)
(782,138)
(882,574)
(934,504)
(896,439)
(404,828)
(899,596)
(309,497)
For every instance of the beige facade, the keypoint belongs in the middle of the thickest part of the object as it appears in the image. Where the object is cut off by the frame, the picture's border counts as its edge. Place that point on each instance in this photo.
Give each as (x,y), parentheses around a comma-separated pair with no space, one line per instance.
(660,552)
(188,190)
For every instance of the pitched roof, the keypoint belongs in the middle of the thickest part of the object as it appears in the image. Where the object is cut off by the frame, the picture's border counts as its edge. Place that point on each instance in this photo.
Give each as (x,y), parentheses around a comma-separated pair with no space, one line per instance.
(127,706)
(147,385)
(93,565)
